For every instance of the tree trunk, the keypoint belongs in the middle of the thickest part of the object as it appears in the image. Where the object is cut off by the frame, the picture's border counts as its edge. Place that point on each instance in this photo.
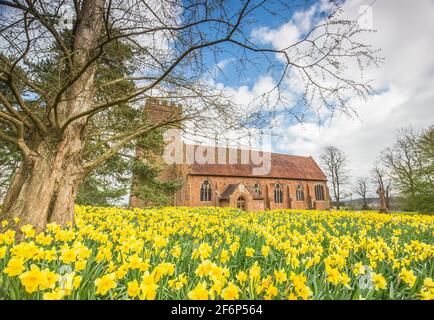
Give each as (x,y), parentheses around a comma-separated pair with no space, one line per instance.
(365,204)
(387,198)
(45,185)
(338,198)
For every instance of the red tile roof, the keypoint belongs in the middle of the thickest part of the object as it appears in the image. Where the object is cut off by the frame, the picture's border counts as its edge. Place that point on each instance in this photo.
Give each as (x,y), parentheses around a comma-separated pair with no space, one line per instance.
(282,166)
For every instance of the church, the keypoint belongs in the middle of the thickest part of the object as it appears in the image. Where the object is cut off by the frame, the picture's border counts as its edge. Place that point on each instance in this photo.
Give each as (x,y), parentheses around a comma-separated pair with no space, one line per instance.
(292,182)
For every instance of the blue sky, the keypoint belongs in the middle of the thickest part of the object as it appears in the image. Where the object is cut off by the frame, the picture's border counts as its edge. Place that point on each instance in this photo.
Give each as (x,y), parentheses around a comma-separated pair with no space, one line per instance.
(261,19)
(404,83)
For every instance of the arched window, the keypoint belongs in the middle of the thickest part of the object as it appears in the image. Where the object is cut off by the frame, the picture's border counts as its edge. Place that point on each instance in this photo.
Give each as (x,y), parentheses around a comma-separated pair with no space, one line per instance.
(278,194)
(256,189)
(205,191)
(241,203)
(319,192)
(299,194)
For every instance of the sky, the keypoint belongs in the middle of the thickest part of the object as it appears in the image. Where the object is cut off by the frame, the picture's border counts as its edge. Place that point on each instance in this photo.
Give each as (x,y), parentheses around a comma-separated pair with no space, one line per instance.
(404,83)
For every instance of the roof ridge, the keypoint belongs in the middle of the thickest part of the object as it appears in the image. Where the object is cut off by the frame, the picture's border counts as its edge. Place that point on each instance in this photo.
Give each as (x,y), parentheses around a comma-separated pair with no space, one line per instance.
(272,153)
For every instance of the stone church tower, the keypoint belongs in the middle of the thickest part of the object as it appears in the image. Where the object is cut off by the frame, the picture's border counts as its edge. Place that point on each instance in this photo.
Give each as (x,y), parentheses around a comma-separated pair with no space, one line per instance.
(156,111)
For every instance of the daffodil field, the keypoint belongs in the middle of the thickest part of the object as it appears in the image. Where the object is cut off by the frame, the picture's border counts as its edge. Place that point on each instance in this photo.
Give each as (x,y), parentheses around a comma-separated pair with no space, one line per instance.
(220,253)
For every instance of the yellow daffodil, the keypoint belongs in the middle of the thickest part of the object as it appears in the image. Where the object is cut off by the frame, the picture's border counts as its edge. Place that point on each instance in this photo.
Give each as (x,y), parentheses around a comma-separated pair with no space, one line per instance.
(408,277)
(105,283)
(219,253)
(200,292)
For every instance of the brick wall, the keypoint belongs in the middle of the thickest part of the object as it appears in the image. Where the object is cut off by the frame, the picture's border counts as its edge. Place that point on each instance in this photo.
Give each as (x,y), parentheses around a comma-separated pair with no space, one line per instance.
(191,193)
(158,111)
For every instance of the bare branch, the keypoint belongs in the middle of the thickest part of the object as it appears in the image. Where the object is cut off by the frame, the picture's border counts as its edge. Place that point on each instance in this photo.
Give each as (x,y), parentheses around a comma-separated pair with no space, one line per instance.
(126,138)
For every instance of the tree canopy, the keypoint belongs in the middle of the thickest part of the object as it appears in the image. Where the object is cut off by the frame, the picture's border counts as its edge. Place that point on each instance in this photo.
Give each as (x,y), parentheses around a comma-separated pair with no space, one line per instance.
(410,163)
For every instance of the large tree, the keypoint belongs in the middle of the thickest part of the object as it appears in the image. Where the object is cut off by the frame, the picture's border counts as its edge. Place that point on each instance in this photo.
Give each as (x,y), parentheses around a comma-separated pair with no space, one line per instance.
(335,166)
(55,102)
(110,182)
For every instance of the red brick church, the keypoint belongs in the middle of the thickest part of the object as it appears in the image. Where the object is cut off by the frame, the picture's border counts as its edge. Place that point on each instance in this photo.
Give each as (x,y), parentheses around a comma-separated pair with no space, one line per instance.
(294,182)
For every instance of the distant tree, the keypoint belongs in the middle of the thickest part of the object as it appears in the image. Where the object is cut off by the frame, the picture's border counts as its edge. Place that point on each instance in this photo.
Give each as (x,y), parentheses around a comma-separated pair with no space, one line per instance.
(402,159)
(381,180)
(425,145)
(410,164)
(361,189)
(335,165)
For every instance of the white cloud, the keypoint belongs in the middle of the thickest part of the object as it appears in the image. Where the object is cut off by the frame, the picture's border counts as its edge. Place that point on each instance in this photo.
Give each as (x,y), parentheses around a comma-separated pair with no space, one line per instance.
(404,33)
(287,33)
(290,32)
(405,83)
(359,138)
(244,95)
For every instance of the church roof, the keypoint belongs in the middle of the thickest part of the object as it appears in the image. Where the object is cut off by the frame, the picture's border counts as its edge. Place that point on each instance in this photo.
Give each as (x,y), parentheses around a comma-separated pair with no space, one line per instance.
(283,166)
(229,190)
